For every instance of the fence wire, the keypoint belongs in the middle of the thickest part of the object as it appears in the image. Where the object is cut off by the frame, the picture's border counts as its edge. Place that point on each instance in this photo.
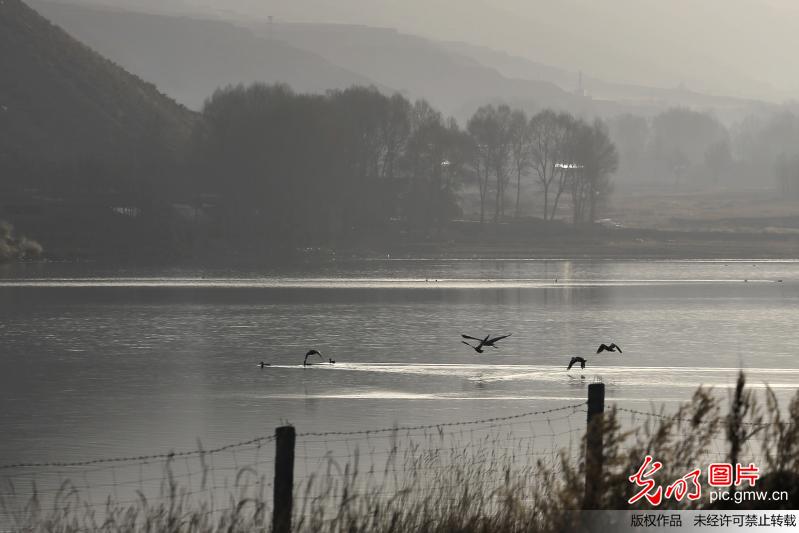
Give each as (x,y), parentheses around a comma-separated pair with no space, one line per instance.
(440,464)
(414,461)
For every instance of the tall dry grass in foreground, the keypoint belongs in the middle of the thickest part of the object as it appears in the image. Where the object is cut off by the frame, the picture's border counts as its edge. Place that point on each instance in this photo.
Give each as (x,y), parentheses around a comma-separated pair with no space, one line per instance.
(470,488)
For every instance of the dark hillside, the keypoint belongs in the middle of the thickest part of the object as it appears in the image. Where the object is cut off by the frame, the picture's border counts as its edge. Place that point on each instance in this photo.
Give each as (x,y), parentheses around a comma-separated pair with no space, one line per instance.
(70,115)
(90,155)
(189,59)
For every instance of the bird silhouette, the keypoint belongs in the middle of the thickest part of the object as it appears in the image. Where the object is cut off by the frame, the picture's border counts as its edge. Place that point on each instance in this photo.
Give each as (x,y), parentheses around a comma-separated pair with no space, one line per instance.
(611,348)
(487,341)
(576,359)
(478,348)
(310,353)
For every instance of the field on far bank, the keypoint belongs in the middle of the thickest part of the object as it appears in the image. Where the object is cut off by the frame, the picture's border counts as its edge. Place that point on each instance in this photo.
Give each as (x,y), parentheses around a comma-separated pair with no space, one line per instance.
(636,224)
(707,210)
(527,239)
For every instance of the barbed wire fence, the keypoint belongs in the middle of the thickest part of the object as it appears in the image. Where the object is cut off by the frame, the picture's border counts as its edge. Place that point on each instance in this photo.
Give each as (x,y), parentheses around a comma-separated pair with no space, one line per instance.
(201,480)
(410,461)
(306,478)
(432,462)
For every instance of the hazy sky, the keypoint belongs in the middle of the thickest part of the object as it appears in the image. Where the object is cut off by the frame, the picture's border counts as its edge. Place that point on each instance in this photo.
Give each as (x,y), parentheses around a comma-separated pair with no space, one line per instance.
(736,47)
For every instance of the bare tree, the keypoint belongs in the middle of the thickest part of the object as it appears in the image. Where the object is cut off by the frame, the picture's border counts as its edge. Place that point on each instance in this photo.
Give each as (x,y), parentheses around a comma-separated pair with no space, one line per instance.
(501,160)
(479,128)
(520,150)
(490,129)
(597,160)
(395,128)
(565,171)
(548,134)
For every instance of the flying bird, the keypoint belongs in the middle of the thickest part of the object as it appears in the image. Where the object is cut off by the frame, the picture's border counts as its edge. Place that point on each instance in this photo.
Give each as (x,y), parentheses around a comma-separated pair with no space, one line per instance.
(478,348)
(611,348)
(576,359)
(487,341)
(310,353)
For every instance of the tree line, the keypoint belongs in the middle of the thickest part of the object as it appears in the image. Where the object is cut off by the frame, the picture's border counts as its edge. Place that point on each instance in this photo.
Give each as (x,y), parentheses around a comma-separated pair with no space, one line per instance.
(687,149)
(308,168)
(264,166)
(560,153)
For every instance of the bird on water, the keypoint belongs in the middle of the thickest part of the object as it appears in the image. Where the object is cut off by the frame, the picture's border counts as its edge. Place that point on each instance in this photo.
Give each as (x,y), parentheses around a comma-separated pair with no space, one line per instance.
(315,352)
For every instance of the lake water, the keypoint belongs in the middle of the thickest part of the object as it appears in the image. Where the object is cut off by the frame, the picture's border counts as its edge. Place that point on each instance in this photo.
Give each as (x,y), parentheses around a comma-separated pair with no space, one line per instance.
(97,363)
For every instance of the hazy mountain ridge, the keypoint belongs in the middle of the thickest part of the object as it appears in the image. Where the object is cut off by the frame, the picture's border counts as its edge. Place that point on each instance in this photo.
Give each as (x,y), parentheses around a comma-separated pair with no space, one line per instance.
(459,77)
(715,47)
(609,96)
(419,67)
(189,58)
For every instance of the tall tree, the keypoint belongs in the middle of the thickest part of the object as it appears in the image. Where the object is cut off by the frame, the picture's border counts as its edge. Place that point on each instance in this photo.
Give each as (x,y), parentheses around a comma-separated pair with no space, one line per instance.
(433,158)
(490,128)
(569,166)
(395,128)
(597,160)
(548,133)
(521,150)
(480,128)
(501,160)
(680,139)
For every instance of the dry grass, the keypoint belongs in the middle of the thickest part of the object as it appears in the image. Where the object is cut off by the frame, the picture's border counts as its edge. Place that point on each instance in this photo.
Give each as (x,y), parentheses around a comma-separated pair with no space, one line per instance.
(424,488)
(715,210)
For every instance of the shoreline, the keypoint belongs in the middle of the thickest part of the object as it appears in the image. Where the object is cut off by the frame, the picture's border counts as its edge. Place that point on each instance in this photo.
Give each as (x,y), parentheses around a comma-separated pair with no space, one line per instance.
(461,241)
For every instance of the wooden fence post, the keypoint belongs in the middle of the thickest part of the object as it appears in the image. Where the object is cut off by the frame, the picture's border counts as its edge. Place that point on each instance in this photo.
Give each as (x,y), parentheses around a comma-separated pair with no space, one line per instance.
(284,479)
(594,456)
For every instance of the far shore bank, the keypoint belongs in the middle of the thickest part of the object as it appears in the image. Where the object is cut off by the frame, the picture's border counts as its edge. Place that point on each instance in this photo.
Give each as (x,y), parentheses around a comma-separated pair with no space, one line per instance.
(462,240)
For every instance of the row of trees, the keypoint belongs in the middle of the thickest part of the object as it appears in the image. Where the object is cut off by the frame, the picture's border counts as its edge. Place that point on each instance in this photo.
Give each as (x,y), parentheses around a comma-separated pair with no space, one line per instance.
(688,148)
(304,167)
(676,147)
(311,167)
(560,153)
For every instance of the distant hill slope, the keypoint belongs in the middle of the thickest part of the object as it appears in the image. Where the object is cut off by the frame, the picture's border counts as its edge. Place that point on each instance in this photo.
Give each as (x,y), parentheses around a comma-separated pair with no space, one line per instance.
(458,77)
(190,58)
(609,95)
(419,67)
(63,104)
